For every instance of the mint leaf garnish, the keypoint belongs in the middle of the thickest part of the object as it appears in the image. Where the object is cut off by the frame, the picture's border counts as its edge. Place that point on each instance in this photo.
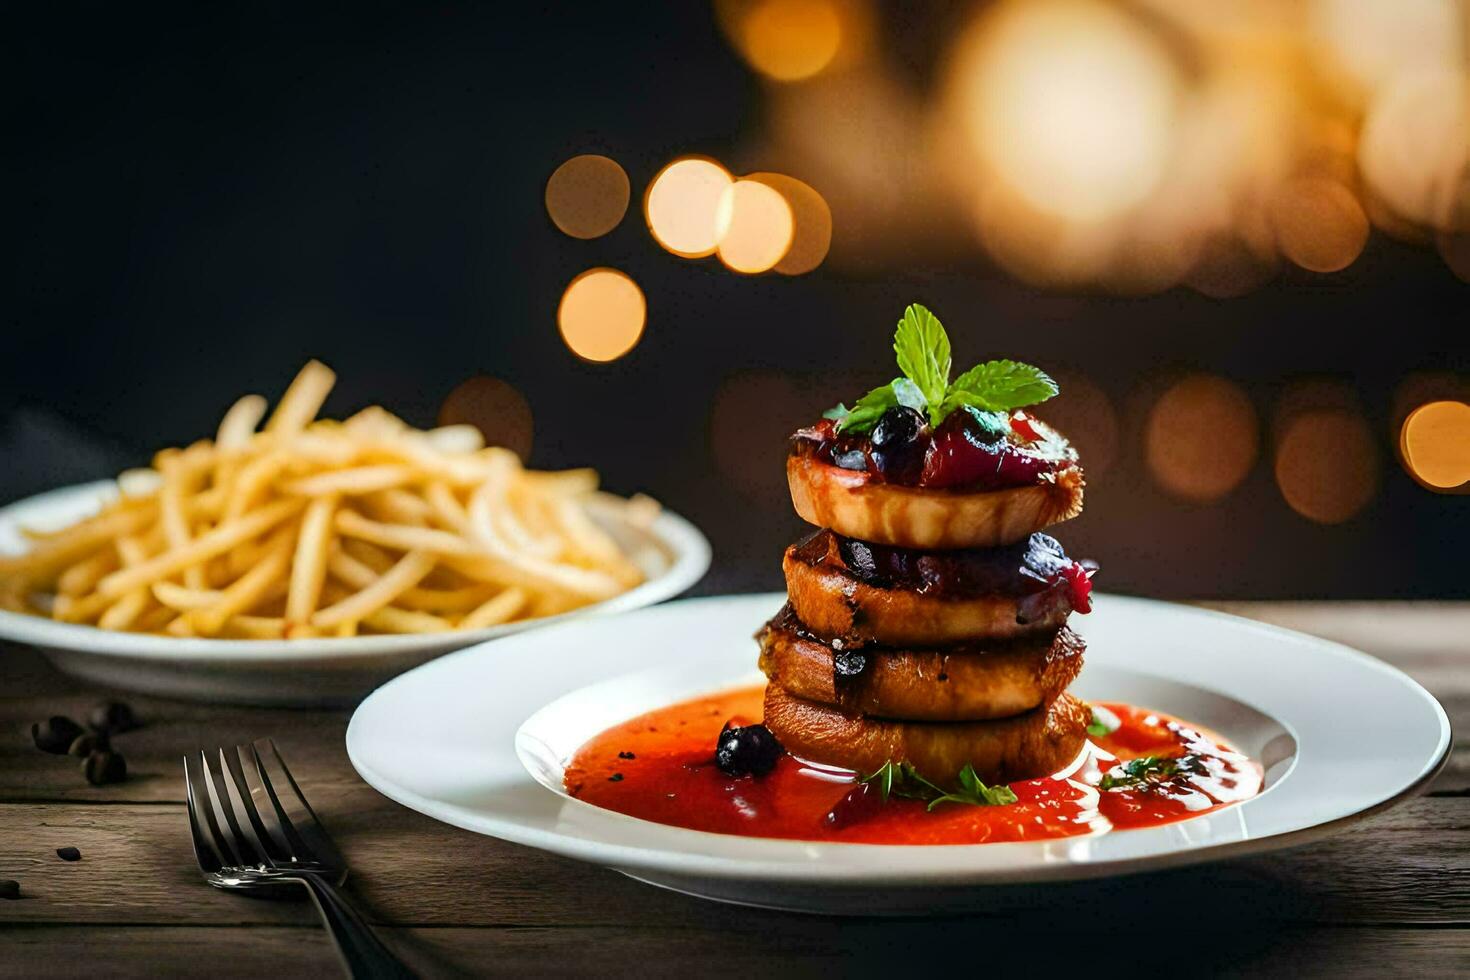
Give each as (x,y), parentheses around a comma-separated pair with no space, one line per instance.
(922,348)
(999,386)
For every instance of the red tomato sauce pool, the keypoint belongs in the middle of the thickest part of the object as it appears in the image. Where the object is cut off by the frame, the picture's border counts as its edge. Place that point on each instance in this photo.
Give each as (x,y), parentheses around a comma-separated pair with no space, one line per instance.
(660,767)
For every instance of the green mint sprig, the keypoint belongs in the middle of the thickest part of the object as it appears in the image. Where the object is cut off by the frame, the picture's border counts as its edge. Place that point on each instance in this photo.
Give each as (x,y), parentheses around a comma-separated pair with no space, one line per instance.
(923,352)
(903,780)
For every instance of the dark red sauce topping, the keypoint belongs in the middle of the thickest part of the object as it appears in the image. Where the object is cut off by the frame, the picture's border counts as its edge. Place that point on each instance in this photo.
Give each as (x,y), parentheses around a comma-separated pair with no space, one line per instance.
(672,778)
(1035,566)
(970,450)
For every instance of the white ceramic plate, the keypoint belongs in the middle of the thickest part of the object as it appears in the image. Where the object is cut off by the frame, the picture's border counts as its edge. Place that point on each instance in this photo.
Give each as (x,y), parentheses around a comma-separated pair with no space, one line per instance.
(672,553)
(478,739)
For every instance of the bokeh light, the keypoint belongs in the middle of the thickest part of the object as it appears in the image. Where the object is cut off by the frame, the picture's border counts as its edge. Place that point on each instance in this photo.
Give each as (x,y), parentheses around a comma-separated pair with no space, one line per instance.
(496,408)
(587,196)
(601,314)
(1368,43)
(1071,103)
(1435,444)
(1415,148)
(1327,464)
(683,203)
(1420,388)
(1319,224)
(754,226)
(1201,438)
(786,40)
(812,219)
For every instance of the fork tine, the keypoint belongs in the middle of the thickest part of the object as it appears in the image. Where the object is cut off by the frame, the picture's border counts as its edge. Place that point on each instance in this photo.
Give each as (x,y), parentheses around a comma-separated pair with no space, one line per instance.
(301,822)
(287,847)
(224,817)
(208,850)
(243,806)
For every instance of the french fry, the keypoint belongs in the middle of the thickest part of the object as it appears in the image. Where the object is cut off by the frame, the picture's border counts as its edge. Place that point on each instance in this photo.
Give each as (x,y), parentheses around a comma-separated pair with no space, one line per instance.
(495,611)
(309,567)
(303,398)
(216,542)
(240,423)
(411,568)
(246,591)
(391,620)
(358,480)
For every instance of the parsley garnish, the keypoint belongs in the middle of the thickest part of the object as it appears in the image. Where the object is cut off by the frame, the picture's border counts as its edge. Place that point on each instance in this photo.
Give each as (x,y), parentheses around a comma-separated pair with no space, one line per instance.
(923,352)
(903,780)
(1148,769)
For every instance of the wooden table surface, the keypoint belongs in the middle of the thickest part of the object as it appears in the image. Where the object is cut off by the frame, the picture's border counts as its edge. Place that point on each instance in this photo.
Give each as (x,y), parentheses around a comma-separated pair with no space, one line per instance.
(1389,896)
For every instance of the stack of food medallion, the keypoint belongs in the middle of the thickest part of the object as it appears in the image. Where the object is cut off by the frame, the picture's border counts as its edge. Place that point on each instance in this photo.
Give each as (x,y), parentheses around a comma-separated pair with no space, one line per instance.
(927,624)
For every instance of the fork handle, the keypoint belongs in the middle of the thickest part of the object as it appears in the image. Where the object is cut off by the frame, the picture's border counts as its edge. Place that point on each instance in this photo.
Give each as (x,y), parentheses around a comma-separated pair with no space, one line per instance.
(363,953)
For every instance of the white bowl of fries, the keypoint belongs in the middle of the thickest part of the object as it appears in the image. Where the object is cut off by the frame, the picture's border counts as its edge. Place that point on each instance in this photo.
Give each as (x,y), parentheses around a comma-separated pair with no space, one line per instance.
(307,561)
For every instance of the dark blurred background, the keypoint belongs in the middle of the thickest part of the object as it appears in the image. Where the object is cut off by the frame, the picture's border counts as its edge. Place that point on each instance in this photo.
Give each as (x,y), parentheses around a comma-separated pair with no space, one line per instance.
(199,200)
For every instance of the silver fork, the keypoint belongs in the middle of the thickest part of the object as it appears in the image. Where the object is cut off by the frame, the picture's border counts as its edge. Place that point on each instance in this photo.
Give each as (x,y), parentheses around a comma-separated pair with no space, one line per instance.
(249,837)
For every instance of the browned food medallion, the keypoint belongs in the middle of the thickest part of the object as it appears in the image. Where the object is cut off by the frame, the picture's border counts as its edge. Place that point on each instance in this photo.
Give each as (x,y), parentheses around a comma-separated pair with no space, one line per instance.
(1027,746)
(851,503)
(974,682)
(1029,588)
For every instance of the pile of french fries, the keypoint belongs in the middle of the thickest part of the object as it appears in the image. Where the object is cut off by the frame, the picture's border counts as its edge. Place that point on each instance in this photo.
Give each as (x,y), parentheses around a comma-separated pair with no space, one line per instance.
(309,528)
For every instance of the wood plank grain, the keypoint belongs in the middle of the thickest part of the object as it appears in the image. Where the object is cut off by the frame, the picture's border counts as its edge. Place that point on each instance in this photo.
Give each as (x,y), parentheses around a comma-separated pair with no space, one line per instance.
(1404,866)
(793,946)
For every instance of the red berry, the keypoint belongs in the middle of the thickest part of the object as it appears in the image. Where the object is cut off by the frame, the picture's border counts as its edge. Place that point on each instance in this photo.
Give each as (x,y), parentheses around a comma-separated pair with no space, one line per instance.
(1080,585)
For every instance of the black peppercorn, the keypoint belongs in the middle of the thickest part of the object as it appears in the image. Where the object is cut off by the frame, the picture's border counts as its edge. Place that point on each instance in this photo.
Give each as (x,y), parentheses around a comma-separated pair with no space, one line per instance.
(68,854)
(111,717)
(87,743)
(616,777)
(9,888)
(105,767)
(55,734)
(626,755)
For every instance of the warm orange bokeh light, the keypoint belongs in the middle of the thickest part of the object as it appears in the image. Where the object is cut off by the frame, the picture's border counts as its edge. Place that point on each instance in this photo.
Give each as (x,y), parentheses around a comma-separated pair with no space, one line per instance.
(789,40)
(587,196)
(601,314)
(496,408)
(683,203)
(1201,438)
(812,237)
(754,226)
(1070,102)
(1370,42)
(1327,465)
(1435,443)
(1319,224)
(1414,151)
